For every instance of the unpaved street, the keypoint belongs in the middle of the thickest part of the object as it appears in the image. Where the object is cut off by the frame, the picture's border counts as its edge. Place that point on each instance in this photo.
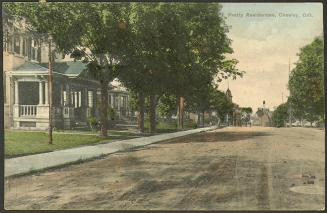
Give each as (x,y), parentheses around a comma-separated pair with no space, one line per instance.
(227,169)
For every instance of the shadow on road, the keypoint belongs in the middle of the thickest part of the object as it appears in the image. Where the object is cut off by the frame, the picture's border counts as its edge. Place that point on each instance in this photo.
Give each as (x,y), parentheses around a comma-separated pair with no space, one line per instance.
(217,137)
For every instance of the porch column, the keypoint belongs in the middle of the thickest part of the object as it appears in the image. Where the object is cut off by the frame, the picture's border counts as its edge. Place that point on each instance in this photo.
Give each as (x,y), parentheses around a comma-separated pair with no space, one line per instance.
(75,102)
(16,93)
(40,93)
(79,98)
(61,95)
(85,95)
(46,93)
(68,95)
(72,98)
(112,100)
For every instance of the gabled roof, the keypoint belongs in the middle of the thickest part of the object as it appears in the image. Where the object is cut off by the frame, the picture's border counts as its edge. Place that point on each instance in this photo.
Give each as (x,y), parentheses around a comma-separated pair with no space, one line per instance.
(30,67)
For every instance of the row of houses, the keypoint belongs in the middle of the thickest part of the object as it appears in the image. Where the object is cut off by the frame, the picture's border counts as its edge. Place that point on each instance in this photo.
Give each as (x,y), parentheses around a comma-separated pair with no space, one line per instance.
(25,85)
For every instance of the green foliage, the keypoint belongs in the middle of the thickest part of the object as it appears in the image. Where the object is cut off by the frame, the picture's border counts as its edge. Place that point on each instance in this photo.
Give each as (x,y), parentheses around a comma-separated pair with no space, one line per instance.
(92,121)
(167,105)
(280,115)
(132,100)
(175,50)
(306,83)
(246,110)
(111,113)
(209,98)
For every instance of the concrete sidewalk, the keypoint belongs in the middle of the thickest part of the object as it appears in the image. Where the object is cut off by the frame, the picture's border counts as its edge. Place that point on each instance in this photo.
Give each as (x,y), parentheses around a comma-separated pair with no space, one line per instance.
(25,164)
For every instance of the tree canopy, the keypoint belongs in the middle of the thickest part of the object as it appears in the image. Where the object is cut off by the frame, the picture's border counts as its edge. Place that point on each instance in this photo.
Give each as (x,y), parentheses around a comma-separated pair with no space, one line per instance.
(306,82)
(154,49)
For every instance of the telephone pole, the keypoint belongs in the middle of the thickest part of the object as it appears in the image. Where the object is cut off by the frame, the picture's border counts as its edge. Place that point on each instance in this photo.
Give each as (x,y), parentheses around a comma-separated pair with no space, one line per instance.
(290,105)
(50,92)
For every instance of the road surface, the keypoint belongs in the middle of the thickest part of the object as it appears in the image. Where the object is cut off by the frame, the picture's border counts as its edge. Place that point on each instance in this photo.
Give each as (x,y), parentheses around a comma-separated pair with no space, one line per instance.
(235,168)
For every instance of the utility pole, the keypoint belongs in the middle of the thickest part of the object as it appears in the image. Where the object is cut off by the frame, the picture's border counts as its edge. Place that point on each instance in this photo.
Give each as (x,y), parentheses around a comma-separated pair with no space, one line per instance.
(290,105)
(50,92)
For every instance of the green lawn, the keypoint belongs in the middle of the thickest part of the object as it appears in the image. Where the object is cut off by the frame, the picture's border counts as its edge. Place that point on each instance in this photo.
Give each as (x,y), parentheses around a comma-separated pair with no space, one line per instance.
(166,127)
(18,143)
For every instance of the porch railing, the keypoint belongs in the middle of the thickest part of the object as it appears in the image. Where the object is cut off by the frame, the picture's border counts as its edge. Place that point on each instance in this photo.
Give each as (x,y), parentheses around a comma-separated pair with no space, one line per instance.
(27,110)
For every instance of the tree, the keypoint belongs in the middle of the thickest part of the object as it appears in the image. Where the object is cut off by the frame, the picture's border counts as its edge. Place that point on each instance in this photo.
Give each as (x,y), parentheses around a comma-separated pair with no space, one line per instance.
(307,82)
(167,105)
(280,115)
(92,32)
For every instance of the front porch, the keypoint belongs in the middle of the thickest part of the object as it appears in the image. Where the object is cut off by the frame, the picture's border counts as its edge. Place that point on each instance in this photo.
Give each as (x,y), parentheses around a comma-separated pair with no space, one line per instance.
(73,100)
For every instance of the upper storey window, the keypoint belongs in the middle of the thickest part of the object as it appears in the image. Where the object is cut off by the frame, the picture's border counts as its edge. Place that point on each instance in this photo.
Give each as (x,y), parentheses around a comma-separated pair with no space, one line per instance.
(17,44)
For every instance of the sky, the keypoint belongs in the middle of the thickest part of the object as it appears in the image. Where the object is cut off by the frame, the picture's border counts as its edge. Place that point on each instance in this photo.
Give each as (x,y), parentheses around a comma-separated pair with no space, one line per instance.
(265,36)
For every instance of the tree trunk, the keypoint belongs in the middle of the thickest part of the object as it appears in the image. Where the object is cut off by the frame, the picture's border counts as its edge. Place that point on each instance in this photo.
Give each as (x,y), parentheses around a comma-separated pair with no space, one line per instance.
(152,113)
(202,118)
(181,112)
(140,117)
(198,122)
(104,108)
(210,118)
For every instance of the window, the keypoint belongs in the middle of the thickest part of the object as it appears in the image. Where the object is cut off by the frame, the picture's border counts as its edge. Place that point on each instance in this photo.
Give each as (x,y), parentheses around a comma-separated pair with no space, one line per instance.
(65,98)
(116,102)
(5,42)
(17,44)
(28,48)
(10,44)
(109,100)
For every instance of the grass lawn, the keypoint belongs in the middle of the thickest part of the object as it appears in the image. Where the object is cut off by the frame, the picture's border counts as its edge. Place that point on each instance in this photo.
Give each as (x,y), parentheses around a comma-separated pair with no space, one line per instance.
(19,143)
(166,127)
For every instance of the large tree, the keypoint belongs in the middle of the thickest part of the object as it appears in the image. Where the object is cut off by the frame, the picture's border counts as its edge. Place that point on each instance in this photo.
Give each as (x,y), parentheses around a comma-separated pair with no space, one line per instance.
(280,115)
(306,82)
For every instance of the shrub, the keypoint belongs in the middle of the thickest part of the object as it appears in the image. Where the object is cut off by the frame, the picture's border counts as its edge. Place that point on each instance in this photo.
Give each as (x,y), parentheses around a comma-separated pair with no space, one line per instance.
(93,122)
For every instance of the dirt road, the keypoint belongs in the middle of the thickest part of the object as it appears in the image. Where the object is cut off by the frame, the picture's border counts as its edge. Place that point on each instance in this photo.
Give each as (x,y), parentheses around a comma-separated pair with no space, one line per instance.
(228,169)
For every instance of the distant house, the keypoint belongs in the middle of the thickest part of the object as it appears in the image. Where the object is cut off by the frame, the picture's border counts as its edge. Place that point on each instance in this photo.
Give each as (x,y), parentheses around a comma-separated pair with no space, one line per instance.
(262,117)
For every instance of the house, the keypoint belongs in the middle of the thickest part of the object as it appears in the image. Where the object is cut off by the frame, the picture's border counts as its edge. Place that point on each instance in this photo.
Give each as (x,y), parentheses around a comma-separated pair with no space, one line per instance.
(262,117)
(25,83)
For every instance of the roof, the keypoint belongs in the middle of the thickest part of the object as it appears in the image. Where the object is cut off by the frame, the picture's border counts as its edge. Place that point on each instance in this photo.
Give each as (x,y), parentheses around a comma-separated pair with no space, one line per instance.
(31,67)
(68,67)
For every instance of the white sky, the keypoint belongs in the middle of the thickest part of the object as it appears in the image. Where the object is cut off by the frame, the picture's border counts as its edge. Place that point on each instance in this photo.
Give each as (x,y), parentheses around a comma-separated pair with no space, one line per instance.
(263,46)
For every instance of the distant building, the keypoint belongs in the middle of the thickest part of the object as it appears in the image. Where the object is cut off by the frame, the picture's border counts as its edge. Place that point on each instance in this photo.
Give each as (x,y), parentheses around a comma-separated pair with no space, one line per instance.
(233,118)
(262,117)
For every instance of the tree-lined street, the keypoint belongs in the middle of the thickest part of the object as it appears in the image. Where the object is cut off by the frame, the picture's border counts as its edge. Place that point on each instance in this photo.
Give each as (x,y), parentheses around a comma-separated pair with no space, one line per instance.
(230,168)
(155,73)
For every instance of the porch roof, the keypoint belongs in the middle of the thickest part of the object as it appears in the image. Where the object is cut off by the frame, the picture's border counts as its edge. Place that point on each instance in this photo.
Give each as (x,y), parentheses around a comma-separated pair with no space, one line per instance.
(31,67)
(69,68)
